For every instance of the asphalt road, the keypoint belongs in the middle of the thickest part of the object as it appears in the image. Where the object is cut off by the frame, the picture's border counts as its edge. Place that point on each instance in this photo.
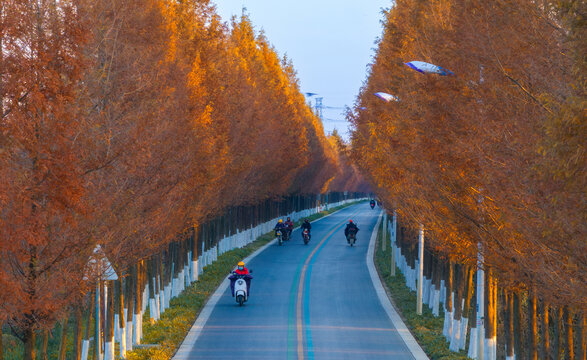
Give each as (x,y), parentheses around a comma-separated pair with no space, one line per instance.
(314,301)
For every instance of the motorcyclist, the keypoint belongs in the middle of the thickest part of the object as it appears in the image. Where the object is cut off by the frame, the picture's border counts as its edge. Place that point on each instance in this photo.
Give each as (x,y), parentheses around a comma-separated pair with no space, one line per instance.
(351,226)
(372,203)
(289,225)
(280,226)
(306,225)
(240,271)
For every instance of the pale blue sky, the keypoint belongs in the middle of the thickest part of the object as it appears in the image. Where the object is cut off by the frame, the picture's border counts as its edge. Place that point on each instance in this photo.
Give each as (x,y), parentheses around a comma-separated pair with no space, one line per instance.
(330,43)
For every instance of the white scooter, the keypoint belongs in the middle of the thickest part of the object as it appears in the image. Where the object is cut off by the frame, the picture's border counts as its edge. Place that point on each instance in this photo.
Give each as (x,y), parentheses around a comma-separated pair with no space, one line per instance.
(240,287)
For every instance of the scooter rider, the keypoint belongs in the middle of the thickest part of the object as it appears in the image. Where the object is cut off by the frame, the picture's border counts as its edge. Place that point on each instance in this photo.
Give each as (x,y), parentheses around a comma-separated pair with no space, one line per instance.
(280,226)
(289,225)
(351,226)
(306,225)
(242,271)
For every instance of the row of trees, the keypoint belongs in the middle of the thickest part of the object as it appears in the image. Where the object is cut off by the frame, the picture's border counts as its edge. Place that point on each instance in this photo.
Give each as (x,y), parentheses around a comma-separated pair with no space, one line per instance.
(515,323)
(124,123)
(491,161)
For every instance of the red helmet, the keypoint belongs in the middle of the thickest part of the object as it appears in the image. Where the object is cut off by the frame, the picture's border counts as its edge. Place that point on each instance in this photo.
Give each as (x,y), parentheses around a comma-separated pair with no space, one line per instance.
(350,221)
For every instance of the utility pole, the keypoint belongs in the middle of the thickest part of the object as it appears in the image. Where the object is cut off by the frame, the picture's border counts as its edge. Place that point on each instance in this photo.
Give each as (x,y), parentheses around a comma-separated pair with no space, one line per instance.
(393,240)
(420,270)
(319,108)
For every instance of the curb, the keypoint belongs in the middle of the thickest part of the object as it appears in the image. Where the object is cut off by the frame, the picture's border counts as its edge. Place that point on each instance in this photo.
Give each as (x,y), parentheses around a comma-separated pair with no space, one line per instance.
(401,327)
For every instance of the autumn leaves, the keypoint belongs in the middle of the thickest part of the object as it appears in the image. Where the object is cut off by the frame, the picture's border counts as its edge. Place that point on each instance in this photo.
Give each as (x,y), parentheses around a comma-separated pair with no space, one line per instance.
(494,155)
(125,123)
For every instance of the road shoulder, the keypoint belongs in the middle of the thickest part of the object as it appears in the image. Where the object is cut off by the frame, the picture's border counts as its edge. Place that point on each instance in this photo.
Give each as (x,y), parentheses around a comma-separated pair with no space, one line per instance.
(385,301)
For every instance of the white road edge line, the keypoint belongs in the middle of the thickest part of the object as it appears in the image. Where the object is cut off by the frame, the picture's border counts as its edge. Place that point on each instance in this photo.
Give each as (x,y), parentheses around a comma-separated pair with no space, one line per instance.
(190,340)
(402,329)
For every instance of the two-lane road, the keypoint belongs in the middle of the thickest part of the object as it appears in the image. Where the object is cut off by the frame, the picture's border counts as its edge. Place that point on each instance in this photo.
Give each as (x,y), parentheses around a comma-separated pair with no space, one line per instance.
(314,301)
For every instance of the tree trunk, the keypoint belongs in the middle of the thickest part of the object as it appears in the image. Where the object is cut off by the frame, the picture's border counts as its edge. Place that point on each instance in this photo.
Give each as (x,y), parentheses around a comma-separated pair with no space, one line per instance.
(29,344)
(86,342)
(121,318)
(582,337)
(152,280)
(44,345)
(1,324)
(558,335)
(137,308)
(448,305)
(570,343)
(459,289)
(77,339)
(109,329)
(437,271)
(130,309)
(490,345)
(63,340)
(472,352)
(518,351)
(545,332)
(509,305)
(532,326)
(467,305)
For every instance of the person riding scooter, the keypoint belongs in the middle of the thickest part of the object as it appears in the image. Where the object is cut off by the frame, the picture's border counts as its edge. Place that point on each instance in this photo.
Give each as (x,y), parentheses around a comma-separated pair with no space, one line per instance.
(280,226)
(351,226)
(289,225)
(306,225)
(240,272)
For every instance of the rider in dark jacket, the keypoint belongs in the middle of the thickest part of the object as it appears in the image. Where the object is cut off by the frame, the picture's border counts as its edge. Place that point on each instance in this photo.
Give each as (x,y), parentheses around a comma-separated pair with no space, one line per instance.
(306,225)
(279,226)
(350,226)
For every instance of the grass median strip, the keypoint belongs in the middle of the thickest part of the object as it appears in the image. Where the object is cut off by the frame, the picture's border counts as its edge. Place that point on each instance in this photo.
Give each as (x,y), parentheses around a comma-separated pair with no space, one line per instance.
(169,332)
(426,328)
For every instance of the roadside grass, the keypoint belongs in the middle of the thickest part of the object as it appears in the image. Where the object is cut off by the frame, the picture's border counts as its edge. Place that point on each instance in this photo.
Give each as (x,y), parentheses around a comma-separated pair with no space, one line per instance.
(177,320)
(426,328)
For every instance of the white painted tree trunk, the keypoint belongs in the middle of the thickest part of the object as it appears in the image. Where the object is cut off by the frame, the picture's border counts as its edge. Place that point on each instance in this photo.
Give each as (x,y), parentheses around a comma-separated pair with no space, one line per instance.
(85,349)
(153,309)
(447,328)
(158,297)
(455,339)
(436,304)
(195,270)
(472,353)
(129,334)
(431,290)
(122,342)
(116,328)
(442,291)
(168,289)
(490,348)
(464,326)
(109,349)
(136,338)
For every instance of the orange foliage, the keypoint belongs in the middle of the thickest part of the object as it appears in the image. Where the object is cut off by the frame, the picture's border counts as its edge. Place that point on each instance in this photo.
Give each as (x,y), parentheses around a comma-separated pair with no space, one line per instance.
(125,123)
(494,155)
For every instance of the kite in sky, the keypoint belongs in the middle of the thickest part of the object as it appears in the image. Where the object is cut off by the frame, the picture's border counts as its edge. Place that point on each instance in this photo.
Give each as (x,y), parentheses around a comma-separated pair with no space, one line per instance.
(427,68)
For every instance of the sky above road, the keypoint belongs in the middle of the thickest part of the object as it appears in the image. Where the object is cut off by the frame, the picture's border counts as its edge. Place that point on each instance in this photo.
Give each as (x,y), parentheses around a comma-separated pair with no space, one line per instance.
(330,43)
